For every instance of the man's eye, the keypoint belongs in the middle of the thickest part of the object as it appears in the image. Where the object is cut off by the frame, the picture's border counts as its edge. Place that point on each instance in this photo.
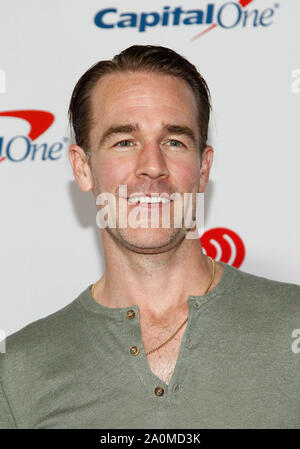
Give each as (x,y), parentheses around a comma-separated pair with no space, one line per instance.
(124,143)
(175,143)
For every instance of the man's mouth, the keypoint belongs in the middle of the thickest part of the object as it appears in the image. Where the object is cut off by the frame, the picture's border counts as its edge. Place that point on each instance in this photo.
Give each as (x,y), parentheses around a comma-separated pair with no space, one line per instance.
(147,201)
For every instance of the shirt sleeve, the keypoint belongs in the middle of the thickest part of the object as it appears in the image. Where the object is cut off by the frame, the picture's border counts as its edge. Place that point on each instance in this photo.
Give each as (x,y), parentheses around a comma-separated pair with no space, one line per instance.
(7,420)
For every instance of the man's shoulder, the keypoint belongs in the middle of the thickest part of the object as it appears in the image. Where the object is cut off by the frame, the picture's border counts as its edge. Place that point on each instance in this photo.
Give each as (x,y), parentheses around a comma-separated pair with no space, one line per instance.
(41,350)
(253,285)
(51,331)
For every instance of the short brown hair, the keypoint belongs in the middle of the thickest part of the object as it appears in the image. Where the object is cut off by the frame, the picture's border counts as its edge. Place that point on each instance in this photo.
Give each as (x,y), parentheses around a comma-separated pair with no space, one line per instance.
(148,58)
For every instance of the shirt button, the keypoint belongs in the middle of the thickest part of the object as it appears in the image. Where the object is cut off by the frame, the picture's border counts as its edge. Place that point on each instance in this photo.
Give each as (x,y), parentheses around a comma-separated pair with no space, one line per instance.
(197,305)
(159,391)
(130,314)
(134,350)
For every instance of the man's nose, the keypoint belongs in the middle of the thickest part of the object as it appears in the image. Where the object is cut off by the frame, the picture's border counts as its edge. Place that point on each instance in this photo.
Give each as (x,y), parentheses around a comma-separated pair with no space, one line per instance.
(151,162)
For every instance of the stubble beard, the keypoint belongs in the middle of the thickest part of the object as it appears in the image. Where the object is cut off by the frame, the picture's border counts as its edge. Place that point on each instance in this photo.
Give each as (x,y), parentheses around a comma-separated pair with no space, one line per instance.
(147,240)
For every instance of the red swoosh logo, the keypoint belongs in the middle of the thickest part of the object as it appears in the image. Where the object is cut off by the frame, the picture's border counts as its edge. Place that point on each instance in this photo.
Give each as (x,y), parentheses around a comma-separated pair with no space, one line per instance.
(39,121)
(243,4)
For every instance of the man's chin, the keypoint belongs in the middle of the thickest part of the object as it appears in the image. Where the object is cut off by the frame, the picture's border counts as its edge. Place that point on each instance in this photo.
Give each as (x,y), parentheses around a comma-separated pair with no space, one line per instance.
(148,240)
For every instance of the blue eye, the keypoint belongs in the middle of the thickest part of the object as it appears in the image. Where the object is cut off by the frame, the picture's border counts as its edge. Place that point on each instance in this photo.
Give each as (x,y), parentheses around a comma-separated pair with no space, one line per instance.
(123,143)
(175,143)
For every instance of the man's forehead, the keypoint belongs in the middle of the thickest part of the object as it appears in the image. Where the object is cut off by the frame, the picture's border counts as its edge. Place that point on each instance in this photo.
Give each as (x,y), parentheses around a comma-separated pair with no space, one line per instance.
(146,84)
(121,98)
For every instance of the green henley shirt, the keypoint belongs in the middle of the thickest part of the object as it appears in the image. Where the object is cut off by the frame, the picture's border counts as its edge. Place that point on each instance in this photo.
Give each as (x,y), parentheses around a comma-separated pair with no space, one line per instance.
(238,364)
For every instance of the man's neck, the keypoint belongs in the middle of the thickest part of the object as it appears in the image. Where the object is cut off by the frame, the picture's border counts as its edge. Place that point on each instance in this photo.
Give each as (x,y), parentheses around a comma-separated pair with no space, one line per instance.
(156,283)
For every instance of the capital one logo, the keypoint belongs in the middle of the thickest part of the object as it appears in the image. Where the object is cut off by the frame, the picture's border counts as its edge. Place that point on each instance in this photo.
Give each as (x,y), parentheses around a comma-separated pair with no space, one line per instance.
(226,15)
(21,147)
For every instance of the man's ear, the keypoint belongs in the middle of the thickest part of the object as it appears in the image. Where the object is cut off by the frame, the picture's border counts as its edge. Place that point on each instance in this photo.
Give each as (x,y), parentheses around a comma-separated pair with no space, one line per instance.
(206,163)
(81,168)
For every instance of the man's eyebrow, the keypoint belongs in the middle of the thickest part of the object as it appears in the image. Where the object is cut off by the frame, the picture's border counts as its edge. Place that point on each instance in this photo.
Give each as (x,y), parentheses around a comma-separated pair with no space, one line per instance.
(129,128)
(117,129)
(181,130)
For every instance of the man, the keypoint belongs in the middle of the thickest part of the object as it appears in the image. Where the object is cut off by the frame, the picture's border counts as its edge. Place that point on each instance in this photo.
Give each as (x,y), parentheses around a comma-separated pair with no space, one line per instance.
(167,338)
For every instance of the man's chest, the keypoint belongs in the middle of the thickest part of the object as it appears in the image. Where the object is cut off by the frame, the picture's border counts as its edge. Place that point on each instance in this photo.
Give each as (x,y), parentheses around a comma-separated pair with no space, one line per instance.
(162,361)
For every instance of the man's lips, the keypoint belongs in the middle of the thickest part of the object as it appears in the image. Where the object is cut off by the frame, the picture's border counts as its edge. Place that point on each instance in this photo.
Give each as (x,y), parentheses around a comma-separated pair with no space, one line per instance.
(148,205)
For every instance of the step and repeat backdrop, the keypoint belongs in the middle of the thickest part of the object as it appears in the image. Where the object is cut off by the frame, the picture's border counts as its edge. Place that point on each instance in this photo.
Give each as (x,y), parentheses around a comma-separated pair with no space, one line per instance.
(249,53)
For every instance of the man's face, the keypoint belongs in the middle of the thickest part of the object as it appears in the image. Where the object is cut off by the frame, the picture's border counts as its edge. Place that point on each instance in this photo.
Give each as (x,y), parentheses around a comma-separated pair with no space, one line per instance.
(145,135)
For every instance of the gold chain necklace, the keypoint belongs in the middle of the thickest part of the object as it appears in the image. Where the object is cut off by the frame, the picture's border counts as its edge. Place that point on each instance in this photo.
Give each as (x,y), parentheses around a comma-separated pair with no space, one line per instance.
(170,338)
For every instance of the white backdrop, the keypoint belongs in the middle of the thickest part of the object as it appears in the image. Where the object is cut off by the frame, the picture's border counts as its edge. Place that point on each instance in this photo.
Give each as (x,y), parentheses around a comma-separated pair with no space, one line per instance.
(51,248)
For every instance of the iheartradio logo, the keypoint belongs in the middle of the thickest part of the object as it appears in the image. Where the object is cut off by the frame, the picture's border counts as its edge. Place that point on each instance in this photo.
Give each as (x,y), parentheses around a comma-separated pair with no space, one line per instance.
(224,245)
